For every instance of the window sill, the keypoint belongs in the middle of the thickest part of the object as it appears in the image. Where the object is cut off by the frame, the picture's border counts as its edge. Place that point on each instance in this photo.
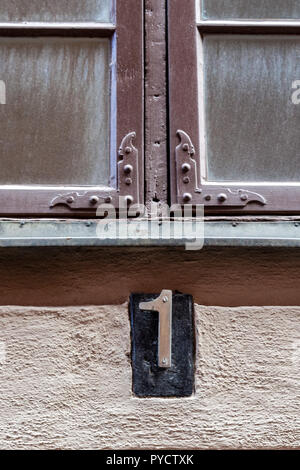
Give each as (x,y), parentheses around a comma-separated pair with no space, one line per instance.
(222,232)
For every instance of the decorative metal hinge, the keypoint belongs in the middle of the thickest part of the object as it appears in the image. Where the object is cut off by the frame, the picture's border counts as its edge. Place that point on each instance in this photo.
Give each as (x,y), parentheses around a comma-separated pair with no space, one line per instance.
(128,170)
(188,190)
(128,183)
(86,200)
(187,178)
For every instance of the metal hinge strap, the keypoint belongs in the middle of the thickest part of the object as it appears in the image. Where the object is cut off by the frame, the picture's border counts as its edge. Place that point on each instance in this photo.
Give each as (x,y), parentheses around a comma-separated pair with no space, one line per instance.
(188,189)
(128,183)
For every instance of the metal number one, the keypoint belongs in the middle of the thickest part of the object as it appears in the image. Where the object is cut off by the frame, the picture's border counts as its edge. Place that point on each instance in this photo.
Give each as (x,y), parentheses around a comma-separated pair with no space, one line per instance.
(163,305)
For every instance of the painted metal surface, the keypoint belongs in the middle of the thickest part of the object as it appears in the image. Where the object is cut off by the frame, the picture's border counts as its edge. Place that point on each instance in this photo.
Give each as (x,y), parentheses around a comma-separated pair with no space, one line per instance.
(47,232)
(162,305)
(187,174)
(151,378)
(128,183)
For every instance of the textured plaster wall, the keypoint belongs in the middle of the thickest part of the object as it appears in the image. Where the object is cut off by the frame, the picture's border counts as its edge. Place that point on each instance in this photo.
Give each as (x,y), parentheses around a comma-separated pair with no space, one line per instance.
(65,379)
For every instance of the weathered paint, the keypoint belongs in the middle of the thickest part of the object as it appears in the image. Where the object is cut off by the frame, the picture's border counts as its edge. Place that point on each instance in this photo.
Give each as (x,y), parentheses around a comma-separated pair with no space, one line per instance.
(102,276)
(84,233)
(156,155)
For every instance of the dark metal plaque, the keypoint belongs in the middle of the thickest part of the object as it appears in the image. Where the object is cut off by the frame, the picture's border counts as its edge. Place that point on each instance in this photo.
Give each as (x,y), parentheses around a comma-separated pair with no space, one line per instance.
(150,380)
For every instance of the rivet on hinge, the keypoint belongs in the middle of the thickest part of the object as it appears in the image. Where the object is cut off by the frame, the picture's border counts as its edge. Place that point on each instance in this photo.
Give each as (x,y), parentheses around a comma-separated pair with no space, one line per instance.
(222,197)
(94,200)
(188,190)
(187,197)
(128,169)
(128,174)
(186,167)
(186,164)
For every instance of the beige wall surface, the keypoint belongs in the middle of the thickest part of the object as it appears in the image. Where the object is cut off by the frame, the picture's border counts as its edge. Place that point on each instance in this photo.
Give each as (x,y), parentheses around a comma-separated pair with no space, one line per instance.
(66,381)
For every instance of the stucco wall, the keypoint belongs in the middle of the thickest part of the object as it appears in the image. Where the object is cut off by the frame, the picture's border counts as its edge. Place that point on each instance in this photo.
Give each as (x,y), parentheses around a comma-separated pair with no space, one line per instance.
(66,381)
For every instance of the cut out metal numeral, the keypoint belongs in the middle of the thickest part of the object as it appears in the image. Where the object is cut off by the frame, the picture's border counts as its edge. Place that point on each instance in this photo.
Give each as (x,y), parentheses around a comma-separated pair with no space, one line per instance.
(162,305)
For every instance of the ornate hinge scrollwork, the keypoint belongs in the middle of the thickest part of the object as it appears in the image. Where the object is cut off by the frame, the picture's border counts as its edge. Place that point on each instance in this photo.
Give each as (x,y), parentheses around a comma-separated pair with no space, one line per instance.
(186,166)
(128,183)
(188,190)
(128,170)
(232,197)
(75,200)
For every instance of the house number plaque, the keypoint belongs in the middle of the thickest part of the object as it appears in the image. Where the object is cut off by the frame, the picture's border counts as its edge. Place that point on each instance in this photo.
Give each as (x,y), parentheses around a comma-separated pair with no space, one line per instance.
(162,331)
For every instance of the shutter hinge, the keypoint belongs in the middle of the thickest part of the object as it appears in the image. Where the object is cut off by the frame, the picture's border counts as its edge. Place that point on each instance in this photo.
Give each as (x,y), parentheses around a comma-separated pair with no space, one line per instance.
(128,183)
(189,191)
(128,170)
